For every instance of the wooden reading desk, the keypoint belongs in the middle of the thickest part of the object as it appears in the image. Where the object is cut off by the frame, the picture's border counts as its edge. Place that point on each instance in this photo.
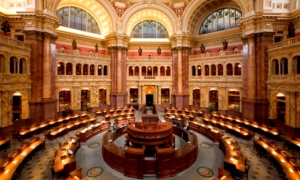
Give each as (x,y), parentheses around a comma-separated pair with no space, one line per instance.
(17,158)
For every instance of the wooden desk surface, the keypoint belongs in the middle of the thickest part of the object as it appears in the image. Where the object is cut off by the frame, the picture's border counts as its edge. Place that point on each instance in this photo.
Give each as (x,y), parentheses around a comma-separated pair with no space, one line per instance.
(3,141)
(294,141)
(11,167)
(233,154)
(287,166)
(63,151)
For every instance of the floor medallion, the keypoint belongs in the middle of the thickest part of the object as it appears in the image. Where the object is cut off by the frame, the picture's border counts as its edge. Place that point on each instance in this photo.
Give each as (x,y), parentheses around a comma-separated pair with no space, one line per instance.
(94,172)
(94,145)
(205,172)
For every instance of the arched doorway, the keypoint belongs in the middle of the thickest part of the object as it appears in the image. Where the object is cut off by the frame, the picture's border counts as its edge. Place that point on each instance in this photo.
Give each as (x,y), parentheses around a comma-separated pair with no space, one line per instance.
(280,107)
(213,100)
(85,99)
(196,97)
(16,106)
(149,91)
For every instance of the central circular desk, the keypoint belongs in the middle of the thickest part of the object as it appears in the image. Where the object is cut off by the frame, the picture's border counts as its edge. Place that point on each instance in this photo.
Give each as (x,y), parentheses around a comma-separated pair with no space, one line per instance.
(151,150)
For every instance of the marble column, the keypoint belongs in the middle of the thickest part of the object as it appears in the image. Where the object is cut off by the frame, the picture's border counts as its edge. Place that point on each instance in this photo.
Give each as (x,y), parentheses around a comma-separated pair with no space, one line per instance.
(180,77)
(255,74)
(118,94)
(42,69)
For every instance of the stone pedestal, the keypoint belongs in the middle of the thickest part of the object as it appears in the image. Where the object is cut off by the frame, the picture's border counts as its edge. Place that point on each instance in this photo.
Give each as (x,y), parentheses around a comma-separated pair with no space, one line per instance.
(42,110)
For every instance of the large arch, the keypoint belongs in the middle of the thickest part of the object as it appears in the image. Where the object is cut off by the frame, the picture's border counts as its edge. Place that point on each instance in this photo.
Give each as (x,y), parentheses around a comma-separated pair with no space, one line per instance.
(102,11)
(156,12)
(197,11)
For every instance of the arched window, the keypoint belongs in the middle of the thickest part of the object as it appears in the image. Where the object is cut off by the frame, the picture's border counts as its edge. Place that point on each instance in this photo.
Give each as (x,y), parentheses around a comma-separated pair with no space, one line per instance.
(199,70)
(168,71)
(143,71)
(130,71)
(149,29)
(149,71)
(78,69)
(12,67)
(221,19)
(69,69)
(162,71)
(237,69)
(155,71)
(136,71)
(105,73)
(92,69)
(275,67)
(193,71)
(229,69)
(60,68)
(220,69)
(99,70)
(77,18)
(85,69)
(213,70)
(206,67)
(21,66)
(284,66)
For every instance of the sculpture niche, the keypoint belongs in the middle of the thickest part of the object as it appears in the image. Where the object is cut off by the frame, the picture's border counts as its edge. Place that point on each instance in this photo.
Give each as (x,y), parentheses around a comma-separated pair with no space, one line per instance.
(291,30)
(5,27)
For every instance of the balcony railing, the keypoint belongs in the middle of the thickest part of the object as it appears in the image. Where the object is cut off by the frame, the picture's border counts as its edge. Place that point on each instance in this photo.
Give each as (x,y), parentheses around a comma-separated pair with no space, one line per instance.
(149,58)
(78,53)
(13,42)
(287,42)
(217,54)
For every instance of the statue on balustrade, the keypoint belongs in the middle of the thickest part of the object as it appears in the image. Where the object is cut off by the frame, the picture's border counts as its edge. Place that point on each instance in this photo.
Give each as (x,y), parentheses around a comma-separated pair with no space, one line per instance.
(74,44)
(158,51)
(140,51)
(225,44)
(5,27)
(291,30)
(96,48)
(202,48)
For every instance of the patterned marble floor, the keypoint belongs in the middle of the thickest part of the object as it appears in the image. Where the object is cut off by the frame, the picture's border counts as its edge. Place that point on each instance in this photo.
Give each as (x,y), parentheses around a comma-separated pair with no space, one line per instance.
(89,157)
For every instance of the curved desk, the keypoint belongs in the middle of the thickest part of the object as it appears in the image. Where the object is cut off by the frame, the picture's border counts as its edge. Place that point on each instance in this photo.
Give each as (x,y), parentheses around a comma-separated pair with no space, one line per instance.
(11,166)
(133,163)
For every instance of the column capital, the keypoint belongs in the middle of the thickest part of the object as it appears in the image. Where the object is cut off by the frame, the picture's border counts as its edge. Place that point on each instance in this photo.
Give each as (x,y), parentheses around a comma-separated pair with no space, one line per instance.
(38,35)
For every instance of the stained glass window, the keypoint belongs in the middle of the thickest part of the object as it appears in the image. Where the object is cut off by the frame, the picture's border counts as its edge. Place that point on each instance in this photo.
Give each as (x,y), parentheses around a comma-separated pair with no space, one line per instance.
(149,29)
(77,18)
(221,19)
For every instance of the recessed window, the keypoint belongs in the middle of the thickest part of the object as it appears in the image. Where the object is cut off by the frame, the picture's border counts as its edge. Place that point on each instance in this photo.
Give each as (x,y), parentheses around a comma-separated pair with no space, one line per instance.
(221,19)
(77,18)
(149,29)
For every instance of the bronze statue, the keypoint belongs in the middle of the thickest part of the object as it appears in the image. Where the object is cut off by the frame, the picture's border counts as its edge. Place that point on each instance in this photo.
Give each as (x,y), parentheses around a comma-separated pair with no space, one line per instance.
(5,27)
(291,30)
(96,48)
(158,51)
(225,44)
(140,51)
(202,48)
(74,44)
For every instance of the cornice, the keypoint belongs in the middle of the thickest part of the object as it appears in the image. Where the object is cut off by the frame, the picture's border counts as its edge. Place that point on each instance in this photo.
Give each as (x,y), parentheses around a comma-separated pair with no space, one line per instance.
(78,36)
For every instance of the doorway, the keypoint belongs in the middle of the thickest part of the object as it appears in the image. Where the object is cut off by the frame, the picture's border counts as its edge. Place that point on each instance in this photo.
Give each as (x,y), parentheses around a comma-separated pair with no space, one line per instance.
(149,99)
